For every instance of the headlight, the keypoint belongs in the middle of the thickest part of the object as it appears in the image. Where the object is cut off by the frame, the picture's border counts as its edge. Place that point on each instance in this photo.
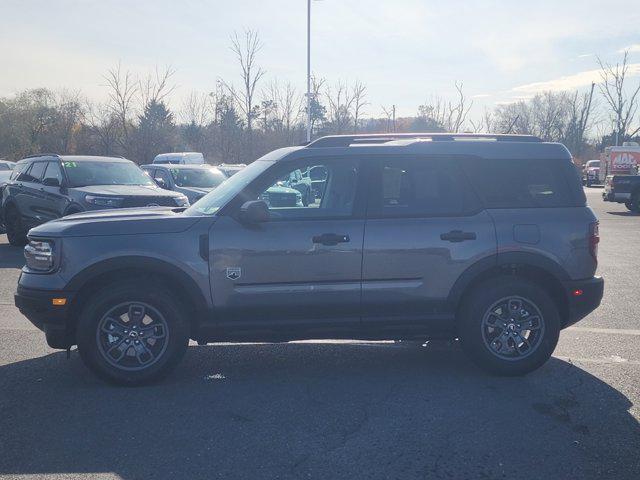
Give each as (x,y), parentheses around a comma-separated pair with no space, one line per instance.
(111,202)
(39,255)
(182,201)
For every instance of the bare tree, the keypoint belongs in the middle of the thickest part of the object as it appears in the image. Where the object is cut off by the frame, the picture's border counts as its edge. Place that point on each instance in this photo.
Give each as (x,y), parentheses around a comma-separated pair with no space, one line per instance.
(246,50)
(197,109)
(452,115)
(486,123)
(122,90)
(69,114)
(359,93)
(390,117)
(340,101)
(104,125)
(580,107)
(156,86)
(623,104)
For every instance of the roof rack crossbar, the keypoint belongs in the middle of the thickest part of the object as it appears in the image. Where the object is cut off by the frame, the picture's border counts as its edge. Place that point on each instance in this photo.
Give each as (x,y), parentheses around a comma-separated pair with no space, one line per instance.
(368,139)
(35,155)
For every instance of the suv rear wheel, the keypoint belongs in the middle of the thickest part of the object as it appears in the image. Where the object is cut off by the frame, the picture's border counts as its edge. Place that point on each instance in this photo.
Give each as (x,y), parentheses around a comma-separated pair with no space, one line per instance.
(16,233)
(509,326)
(634,204)
(132,334)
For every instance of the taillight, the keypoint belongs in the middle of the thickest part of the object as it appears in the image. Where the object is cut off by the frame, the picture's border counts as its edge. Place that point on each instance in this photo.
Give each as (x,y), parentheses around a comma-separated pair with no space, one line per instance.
(594,239)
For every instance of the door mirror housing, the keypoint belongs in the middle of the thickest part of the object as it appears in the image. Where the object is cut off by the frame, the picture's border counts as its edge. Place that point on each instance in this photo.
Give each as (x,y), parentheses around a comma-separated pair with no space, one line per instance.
(255,211)
(51,182)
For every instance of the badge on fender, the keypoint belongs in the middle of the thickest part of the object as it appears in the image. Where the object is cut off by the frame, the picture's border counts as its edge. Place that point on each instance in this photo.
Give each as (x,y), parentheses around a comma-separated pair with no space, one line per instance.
(234,273)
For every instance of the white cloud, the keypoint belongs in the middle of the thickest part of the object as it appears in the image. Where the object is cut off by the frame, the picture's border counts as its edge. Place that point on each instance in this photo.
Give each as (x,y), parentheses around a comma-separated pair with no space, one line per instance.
(571,82)
(481,95)
(586,55)
(631,48)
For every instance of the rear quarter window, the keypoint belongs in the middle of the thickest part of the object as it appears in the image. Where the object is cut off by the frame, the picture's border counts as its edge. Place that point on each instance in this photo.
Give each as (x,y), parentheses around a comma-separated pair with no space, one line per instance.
(507,183)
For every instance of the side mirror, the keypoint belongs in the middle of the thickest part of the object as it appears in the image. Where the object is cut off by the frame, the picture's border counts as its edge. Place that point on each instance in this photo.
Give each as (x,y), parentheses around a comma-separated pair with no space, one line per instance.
(255,211)
(51,182)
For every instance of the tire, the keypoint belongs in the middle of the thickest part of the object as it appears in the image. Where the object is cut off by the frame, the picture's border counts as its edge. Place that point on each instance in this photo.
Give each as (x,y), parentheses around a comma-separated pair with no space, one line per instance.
(124,357)
(16,233)
(493,349)
(634,204)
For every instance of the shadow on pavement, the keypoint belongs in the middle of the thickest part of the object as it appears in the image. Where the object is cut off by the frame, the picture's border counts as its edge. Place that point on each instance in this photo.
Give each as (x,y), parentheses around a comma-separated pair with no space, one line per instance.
(625,214)
(317,410)
(10,257)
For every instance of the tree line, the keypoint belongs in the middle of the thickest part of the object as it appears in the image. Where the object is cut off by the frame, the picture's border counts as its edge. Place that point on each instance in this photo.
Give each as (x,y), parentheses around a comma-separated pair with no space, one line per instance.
(239,121)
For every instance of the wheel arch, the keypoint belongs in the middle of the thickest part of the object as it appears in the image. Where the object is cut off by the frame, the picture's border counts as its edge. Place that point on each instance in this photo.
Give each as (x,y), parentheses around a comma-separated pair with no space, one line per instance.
(536,268)
(105,272)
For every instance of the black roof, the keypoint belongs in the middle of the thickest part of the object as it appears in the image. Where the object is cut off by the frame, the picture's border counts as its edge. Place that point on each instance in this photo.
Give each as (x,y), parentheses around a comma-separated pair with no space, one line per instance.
(495,146)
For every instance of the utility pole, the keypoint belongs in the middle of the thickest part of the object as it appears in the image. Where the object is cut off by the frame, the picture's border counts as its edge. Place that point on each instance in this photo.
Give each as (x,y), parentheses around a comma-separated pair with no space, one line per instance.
(308,70)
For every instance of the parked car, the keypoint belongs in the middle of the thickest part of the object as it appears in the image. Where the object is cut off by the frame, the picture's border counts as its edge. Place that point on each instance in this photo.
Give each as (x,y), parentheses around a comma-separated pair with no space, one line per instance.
(623,189)
(46,187)
(6,166)
(194,181)
(591,173)
(230,169)
(485,238)
(180,158)
(302,183)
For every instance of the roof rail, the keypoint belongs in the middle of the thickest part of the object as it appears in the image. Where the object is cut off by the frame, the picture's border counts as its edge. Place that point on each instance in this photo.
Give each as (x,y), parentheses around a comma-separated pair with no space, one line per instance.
(35,155)
(368,139)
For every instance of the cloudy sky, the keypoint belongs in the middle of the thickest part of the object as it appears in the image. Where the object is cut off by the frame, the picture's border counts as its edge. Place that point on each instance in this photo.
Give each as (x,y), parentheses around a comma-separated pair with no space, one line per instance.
(405,51)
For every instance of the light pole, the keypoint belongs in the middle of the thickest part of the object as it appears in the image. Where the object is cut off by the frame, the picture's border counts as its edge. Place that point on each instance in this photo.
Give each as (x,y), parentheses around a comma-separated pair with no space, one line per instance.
(308,70)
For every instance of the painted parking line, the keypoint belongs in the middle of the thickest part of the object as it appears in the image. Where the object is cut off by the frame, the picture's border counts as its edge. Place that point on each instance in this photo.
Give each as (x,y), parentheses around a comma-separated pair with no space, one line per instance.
(608,331)
(612,360)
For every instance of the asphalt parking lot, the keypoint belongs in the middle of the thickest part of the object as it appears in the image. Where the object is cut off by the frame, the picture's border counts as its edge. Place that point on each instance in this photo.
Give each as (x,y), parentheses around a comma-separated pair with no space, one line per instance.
(337,409)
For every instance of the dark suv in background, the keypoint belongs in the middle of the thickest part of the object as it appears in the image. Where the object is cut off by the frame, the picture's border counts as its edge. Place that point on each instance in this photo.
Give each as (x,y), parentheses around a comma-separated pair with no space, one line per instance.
(485,238)
(46,187)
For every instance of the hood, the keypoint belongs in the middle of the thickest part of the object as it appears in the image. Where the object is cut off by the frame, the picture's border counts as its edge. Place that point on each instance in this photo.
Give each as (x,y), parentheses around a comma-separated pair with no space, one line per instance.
(126,190)
(193,192)
(124,221)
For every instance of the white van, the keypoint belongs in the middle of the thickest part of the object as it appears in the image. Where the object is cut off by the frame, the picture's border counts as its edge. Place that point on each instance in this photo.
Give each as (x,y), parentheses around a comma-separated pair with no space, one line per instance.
(181,158)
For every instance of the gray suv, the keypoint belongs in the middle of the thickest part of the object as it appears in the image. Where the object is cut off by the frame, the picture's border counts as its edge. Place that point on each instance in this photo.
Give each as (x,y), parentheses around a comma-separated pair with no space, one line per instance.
(485,238)
(46,187)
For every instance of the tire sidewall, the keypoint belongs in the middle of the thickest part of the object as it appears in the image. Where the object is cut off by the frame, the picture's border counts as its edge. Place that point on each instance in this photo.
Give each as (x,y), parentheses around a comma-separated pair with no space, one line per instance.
(14,227)
(110,296)
(474,309)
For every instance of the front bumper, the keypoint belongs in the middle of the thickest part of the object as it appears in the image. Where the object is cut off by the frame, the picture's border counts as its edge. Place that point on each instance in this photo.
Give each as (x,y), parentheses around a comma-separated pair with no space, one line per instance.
(587,301)
(37,306)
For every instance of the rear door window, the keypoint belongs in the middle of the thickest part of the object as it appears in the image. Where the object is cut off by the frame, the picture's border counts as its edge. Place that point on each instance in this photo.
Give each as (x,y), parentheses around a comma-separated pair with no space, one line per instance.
(507,183)
(418,187)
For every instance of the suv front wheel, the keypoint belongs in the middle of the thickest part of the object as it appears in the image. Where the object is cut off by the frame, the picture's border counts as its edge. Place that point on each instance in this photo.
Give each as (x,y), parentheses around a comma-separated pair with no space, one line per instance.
(509,326)
(131,333)
(16,232)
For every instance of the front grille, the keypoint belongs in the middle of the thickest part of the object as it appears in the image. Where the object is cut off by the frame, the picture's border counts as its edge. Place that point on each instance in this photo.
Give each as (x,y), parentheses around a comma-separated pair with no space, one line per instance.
(147,201)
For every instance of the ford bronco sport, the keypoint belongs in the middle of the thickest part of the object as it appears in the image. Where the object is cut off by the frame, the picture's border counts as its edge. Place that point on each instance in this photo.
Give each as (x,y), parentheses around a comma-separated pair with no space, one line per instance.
(485,238)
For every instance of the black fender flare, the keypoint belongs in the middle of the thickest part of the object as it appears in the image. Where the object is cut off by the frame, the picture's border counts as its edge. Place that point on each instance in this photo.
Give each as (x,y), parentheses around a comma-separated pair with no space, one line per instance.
(188,285)
(504,261)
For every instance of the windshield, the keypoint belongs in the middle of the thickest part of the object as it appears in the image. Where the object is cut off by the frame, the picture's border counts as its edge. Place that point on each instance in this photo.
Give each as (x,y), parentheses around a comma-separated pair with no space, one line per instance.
(216,199)
(84,174)
(197,177)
